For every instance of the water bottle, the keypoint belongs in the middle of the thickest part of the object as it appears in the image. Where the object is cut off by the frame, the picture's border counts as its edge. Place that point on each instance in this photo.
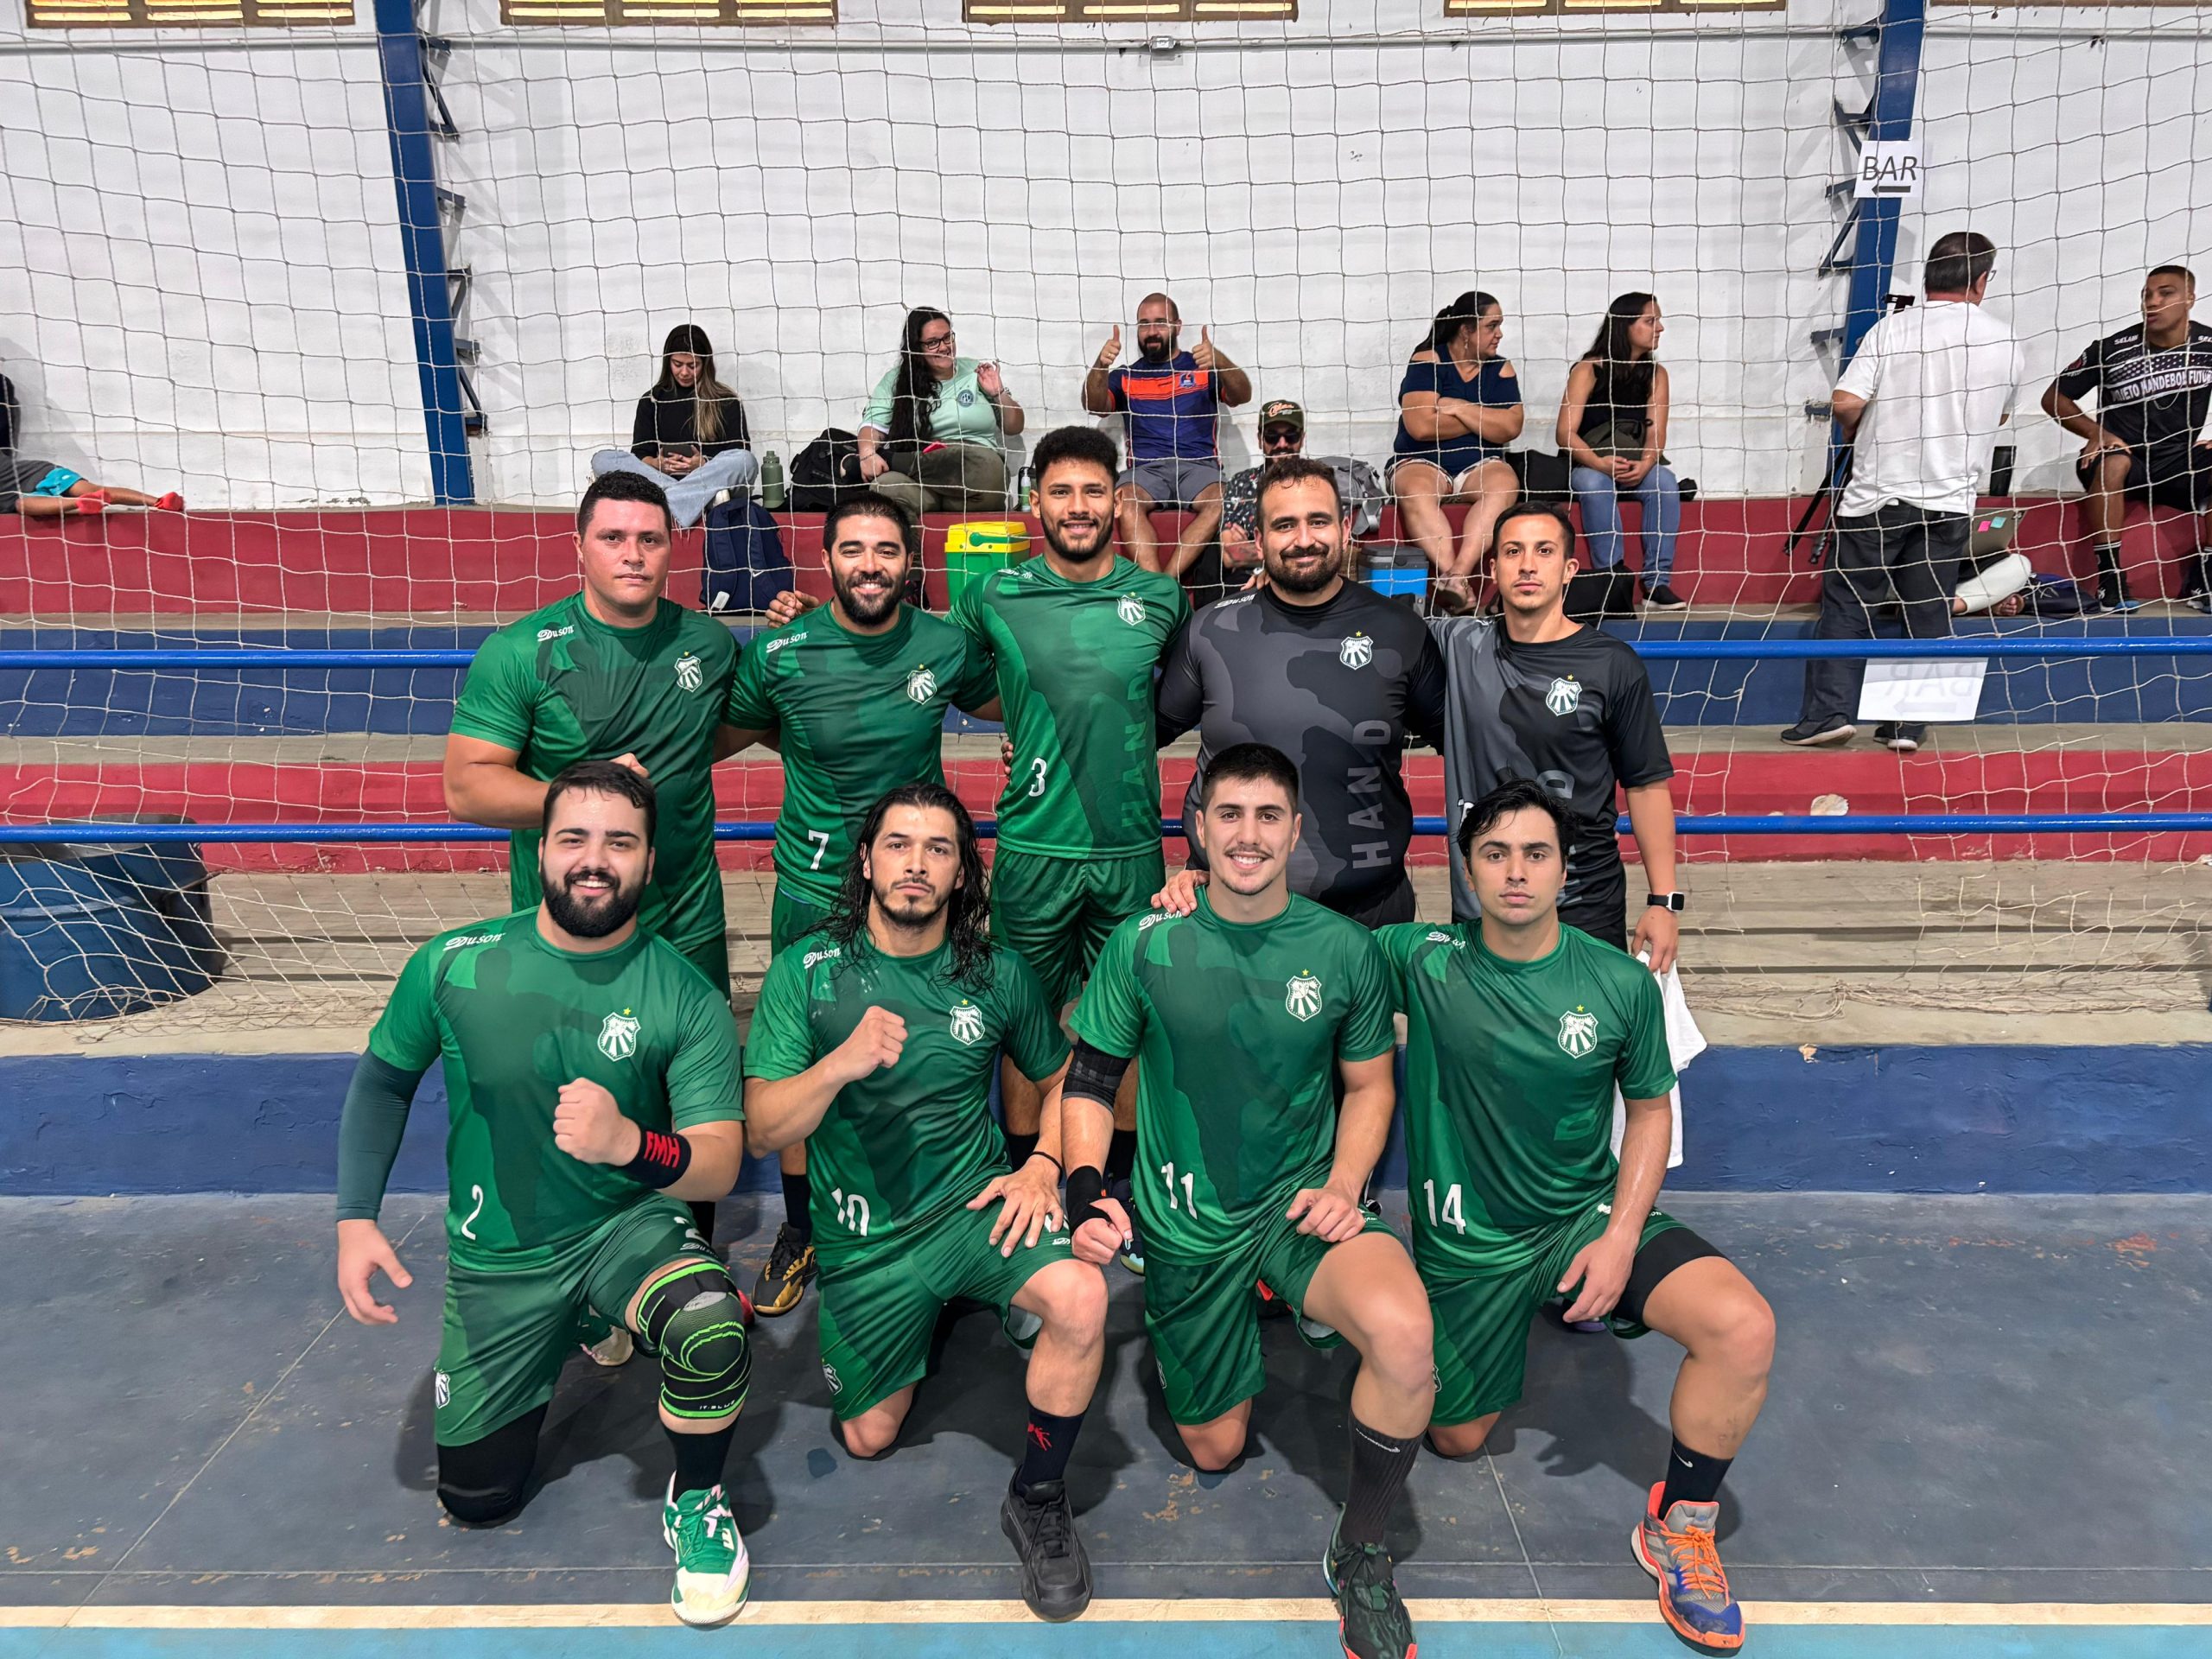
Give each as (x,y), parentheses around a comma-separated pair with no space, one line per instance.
(771,482)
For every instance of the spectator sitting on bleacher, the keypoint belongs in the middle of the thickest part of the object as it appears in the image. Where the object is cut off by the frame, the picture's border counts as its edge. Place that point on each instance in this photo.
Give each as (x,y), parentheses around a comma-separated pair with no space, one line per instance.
(930,439)
(1459,406)
(689,436)
(1613,425)
(39,489)
(2153,386)
(1168,399)
(11,413)
(1282,436)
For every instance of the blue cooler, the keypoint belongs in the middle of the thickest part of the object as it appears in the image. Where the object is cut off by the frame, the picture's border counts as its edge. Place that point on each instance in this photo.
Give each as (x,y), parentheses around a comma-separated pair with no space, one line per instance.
(1399,567)
(90,932)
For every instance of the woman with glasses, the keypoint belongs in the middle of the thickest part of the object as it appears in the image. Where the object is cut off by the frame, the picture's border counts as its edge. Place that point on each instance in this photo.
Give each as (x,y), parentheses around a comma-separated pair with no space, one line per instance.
(689,436)
(1612,426)
(1459,405)
(930,439)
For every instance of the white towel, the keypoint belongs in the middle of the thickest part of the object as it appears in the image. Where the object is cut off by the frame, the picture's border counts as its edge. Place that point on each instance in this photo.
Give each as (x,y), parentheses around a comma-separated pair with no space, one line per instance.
(1685,1042)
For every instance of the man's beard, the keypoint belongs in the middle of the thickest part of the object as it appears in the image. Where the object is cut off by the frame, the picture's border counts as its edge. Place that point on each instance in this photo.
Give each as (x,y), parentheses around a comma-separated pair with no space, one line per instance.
(906,910)
(1300,581)
(1102,542)
(868,609)
(585,918)
(1156,351)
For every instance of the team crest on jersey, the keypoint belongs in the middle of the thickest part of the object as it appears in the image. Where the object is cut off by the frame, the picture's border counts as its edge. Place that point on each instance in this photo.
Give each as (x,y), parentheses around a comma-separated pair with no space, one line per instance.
(1301,995)
(1356,650)
(921,685)
(618,1036)
(1578,1032)
(967,1023)
(690,672)
(441,1389)
(1130,609)
(1564,696)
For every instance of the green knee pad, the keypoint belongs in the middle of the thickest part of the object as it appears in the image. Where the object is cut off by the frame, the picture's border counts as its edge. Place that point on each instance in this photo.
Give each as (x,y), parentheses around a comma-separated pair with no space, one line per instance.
(692,1318)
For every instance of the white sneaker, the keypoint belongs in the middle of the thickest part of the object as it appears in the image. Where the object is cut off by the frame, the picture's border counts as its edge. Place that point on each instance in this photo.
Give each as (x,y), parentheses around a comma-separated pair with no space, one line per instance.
(612,1350)
(713,1572)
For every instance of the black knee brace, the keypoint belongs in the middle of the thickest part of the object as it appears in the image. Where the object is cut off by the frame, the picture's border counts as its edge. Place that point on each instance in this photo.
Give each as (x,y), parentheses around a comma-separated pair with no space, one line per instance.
(483,1482)
(693,1318)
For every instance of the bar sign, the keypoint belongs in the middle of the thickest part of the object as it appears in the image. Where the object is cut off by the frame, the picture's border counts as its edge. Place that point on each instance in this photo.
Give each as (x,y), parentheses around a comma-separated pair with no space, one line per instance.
(1889,167)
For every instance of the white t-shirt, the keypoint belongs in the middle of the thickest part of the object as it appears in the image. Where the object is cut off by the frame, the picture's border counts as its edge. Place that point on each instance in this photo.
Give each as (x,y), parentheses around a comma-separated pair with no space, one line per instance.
(1939,380)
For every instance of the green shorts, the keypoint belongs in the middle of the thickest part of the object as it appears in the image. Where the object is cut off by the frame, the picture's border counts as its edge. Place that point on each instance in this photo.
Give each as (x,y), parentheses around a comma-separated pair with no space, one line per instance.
(792,917)
(880,1309)
(1482,1320)
(1058,911)
(510,1329)
(1204,1317)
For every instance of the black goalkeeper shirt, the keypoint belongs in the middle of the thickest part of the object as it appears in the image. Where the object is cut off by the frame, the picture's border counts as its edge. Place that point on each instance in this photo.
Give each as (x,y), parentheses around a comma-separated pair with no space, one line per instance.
(2148,397)
(1337,687)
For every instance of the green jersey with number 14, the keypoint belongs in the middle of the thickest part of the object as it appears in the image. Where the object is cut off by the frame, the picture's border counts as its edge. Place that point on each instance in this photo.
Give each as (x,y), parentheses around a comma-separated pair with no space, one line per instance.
(1076,661)
(911,1142)
(1236,1030)
(1511,1068)
(860,715)
(514,1018)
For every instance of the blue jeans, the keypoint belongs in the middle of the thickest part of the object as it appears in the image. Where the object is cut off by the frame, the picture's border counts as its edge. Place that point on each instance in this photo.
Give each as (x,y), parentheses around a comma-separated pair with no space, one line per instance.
(689,496)
(1662,498)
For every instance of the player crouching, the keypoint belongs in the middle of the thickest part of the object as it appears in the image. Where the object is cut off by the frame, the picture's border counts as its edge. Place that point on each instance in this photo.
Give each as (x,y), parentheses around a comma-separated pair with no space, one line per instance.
(1518,1031)
(593,1075)
(874,1041)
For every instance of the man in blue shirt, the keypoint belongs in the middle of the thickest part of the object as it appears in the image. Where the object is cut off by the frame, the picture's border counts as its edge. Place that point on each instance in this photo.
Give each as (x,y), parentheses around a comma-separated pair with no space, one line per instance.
(1169,398)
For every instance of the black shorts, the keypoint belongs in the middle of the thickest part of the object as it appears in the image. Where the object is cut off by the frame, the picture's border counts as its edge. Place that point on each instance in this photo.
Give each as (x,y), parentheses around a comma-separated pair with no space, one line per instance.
(1391,905)
(2177,475)
(1602,915)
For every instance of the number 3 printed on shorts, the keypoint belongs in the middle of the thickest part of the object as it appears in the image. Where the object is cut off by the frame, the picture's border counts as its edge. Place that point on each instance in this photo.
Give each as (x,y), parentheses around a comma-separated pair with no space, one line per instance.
(1038,768)
(477,1193)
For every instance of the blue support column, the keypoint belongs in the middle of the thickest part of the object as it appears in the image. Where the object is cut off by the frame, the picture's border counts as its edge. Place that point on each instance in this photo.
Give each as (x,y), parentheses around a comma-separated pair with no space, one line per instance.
(414,176)
(1889,118)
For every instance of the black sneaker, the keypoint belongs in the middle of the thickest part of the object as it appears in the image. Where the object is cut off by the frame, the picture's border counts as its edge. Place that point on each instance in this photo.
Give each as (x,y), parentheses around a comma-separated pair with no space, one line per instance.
(1806,735)
(1664,598)
(1371,1620)
(1900,740)
(783,1282)
(1055,1573)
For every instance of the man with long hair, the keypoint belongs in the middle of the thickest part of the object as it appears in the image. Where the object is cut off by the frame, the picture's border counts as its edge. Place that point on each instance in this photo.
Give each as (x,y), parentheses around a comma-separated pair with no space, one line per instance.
(591,1075)
(689,435)
(856,695)
(874,1041)
(1518,1032)
(930,438)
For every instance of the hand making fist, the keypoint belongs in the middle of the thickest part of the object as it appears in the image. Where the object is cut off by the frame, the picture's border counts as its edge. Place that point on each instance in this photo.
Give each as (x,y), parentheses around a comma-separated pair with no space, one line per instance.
(589,1126)
(876,1042)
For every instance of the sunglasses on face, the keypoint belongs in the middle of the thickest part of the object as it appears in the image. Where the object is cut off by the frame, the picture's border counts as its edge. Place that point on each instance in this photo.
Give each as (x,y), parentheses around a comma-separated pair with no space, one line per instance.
(1279,439)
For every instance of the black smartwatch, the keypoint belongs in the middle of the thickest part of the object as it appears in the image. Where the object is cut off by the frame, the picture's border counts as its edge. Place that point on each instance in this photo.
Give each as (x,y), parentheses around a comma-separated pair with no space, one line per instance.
(1675,901)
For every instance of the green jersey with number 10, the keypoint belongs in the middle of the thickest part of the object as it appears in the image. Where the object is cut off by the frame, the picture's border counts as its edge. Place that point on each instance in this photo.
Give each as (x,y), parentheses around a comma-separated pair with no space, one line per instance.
(1236,1030)
(911,1142)
(1076,662)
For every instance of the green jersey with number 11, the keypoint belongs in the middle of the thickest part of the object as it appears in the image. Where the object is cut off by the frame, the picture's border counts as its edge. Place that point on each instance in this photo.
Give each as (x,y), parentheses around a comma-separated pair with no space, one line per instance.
(1076,662)
(1236,1030)
(909,1143)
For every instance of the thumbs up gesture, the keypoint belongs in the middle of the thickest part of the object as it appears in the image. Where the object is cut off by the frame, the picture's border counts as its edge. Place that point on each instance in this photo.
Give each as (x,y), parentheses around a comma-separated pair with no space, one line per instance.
(1111,350)
(1202,353)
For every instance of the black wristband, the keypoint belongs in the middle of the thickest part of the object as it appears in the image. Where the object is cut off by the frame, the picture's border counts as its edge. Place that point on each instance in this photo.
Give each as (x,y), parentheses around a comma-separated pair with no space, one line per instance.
(1086,1186)
(661,1159)
(1059,1169)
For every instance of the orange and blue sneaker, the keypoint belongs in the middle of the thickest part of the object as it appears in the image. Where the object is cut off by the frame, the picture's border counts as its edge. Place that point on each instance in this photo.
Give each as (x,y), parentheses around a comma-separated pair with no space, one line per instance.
(1678,1549)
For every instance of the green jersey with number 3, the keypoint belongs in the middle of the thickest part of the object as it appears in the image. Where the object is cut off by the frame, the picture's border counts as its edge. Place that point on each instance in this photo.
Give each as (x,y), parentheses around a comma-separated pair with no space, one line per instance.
(1511,1068)
(1076,661)
(913,1142)
(1236,1030)
(561,686)
(514,1018)
(859,716)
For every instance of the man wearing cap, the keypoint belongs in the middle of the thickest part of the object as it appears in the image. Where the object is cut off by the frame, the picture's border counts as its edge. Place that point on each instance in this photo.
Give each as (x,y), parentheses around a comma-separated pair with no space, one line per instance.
(1282,434)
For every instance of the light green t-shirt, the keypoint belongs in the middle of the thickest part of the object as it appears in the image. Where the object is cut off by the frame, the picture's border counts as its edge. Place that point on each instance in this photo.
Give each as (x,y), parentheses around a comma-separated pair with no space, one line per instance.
(963,414)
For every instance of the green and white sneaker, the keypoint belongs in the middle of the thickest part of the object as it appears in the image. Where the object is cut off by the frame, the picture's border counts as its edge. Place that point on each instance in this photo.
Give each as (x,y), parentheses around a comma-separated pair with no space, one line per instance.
(712,1570)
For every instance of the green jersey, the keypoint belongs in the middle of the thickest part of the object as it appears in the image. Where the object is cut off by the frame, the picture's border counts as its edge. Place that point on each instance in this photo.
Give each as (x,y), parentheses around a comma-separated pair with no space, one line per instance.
(860,715)
(562,686)
(1075,662)
(1236,1030)
(514,1017)
(1511,1068)
(913,1142)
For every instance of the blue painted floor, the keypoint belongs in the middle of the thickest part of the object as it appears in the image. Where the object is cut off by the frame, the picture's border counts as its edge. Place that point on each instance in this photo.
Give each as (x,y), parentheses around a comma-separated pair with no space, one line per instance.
(1977,1401)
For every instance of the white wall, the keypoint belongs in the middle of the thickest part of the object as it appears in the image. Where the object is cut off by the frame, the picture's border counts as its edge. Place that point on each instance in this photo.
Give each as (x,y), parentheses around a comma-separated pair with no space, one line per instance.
(208,278)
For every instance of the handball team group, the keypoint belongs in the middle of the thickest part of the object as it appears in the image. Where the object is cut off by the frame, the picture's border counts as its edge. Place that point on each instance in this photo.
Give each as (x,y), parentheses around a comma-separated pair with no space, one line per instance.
(1195,1075)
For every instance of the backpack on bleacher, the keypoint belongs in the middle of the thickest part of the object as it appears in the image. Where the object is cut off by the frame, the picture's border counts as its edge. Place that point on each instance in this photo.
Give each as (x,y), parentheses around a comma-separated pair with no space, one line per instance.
(826,471)
(745,564)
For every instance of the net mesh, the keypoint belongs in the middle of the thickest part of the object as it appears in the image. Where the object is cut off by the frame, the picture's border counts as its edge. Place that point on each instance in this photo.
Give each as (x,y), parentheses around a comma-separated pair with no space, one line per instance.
(202,287)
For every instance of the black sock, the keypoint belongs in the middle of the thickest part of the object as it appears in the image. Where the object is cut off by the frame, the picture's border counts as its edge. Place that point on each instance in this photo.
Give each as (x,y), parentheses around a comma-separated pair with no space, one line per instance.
(1120,1155)
(1692,1477)
(700,1458)
(1380,1465)
(798,1212)
(1018,1148)
(702,1218)
(1046,1444)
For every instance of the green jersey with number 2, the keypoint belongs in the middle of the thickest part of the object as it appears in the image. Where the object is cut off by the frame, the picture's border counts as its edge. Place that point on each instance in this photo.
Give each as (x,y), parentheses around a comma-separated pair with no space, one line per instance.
(859,716)
(1076,661)
(1236,1030)
(514,1018)
(911,1142)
